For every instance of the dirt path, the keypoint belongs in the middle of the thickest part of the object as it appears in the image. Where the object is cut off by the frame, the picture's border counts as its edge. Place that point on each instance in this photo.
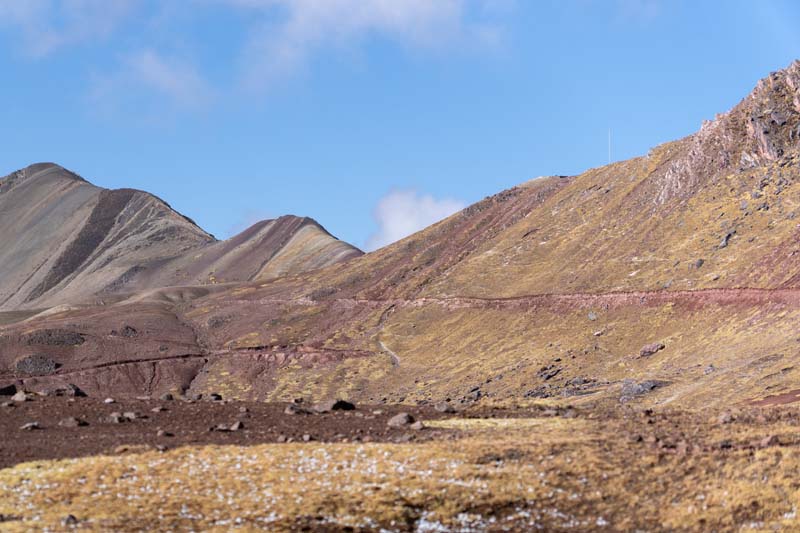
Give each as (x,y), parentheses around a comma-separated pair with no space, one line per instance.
(607,300)
(394,356)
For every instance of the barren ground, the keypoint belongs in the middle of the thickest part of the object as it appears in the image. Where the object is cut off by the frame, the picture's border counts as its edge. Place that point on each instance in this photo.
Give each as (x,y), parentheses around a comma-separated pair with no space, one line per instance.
(504,468)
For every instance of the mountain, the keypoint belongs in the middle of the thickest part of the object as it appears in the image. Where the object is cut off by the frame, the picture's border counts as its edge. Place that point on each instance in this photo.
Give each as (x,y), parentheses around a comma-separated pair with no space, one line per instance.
(66,241)
(668,279)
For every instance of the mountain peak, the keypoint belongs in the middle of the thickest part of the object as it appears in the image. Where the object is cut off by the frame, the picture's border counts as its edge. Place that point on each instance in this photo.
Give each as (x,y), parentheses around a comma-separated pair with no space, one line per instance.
(761,129)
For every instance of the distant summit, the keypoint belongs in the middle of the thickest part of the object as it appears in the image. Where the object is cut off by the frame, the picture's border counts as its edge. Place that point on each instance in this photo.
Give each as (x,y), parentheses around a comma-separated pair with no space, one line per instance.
(66,240)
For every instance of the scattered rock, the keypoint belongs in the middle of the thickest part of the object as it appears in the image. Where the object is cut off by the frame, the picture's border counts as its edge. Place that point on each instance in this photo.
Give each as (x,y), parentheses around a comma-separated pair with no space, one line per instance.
(119,418)
(115,418)
(592,316)
(307,438)
(72,422)
(400,420)
(699,263)
(709,369)
(334,405)
(772,440)
(726,239)
(35,365)
(473,395)
(69,391)
(30,426)
(54,337)
(8,390)
(725,418)
(650,349)
(162,433)
(109,401)
(214,397)
(632,389)
(8,404)
(166,397)
(444,407)
(69,520)
(224,428)
(417,426)
(294,409)
(281,438)
(128,332)
(548,372)
(158,409)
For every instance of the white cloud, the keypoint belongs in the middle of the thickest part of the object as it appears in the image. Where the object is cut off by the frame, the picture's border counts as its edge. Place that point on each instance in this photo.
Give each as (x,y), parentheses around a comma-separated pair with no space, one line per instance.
(47,25)
(305,26)
(148,72)
(171,77)
(401,213)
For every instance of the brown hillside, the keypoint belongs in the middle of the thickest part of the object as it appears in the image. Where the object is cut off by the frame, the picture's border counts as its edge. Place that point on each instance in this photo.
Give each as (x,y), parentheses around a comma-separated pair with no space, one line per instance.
(667,279)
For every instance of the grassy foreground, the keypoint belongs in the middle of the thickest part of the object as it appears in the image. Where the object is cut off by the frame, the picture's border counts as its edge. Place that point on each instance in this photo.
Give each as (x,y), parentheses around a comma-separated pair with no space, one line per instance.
(571,471)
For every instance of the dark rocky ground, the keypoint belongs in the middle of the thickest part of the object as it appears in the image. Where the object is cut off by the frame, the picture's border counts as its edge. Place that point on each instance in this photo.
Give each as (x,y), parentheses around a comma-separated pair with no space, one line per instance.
(170,424)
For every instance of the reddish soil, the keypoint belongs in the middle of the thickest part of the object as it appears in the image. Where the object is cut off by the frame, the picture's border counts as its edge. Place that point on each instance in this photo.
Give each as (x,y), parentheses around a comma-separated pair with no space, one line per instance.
(189,423)
(779,399)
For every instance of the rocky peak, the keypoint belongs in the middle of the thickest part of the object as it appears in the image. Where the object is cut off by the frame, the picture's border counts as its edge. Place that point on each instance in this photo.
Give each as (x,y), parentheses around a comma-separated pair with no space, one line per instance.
(34,171)
(761,129)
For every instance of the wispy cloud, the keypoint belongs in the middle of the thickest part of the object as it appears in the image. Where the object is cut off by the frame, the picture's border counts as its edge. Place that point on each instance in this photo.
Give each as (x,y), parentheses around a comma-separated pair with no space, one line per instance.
(48,25)
(291,31)
(401,213)
(281,37)
(148,75)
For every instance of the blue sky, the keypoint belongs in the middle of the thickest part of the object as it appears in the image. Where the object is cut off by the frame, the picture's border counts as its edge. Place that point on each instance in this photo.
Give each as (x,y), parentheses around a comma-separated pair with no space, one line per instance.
(375,117)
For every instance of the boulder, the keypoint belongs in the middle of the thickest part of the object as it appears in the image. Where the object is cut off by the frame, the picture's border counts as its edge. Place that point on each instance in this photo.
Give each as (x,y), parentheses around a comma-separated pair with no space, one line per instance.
(632,389)
(650,349)
(400,420)
(444,407)
(334,405)
(294,409)
(72,422)
(21,396)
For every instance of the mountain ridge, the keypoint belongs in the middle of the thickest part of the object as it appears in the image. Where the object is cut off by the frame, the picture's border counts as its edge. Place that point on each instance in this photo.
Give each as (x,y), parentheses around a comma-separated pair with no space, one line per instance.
(68,241)
(552,289)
